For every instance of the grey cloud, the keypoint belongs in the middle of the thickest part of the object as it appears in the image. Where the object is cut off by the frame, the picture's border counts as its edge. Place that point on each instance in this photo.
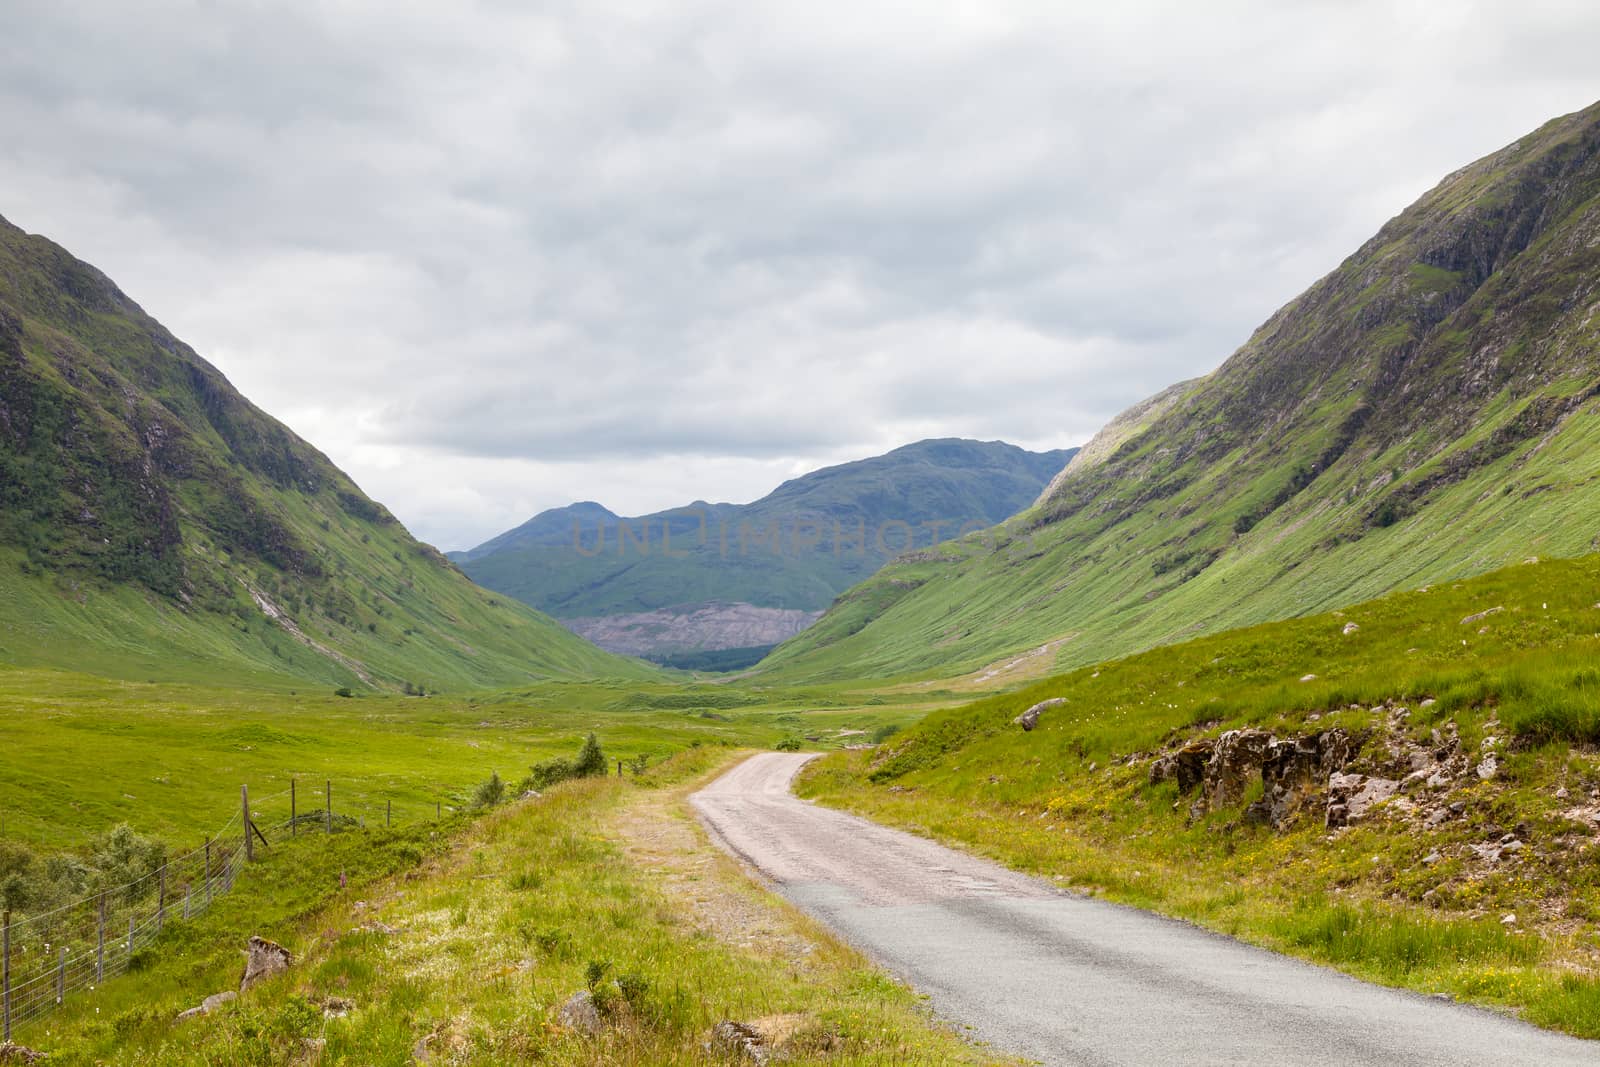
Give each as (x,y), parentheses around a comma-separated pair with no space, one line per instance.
(492,256)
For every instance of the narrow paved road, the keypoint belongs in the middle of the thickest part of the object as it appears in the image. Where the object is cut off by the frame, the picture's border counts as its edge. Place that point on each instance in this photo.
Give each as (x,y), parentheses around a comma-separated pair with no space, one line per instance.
(1069,980)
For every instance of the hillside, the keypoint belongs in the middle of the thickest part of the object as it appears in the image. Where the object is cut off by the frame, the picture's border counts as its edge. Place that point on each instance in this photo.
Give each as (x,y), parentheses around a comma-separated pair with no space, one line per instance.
(728,576)
(156,524)
(1406,789)
(1427,411)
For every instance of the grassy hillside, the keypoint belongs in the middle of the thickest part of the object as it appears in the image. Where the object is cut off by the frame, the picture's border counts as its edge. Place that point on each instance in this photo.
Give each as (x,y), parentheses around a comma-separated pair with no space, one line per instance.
(795,549)
(1426,412)
(1477,702)
(154,523)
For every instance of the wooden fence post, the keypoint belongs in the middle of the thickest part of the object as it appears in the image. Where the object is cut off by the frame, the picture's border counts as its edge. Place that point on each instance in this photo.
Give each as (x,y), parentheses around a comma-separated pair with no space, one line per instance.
(61,977)
(100,943)
(5,972)
(249,842)
(438,810)
(292,828)
(328,808)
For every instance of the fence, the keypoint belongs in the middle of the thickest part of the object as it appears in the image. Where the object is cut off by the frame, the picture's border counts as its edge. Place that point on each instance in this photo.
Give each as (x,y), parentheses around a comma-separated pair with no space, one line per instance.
(70,950)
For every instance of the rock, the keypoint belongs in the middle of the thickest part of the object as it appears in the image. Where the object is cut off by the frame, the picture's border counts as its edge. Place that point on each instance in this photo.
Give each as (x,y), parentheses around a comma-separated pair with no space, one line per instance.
(579,1013)
(1431,898)
(10,1054)
(1351,796)
(1430,702)
(1512,847)
(336,1007)
(1351,628)
(264,959)
(1458,808)
(1309,678)
(206,1006)
(1235,761)
(1508,919)
(1187,766)
(1561,794)
(1294,769)
(1431,858)
(1480,616)
(532,794)
(741,1038)
(1030,718)
(1488,768)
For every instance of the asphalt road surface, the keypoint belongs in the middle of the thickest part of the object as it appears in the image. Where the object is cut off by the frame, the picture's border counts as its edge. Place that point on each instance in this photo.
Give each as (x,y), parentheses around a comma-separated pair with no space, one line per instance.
(1063,979)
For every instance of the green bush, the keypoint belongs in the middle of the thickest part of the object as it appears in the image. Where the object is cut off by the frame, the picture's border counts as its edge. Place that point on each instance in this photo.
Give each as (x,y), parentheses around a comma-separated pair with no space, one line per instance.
(591,761)
(489,793)
(788,744)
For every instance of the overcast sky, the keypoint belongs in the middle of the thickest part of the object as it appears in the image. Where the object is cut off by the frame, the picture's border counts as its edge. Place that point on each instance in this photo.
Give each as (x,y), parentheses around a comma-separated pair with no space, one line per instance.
(503,256)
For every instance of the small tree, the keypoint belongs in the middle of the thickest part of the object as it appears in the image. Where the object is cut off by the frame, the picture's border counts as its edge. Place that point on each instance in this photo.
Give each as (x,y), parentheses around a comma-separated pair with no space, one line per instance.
(591,761)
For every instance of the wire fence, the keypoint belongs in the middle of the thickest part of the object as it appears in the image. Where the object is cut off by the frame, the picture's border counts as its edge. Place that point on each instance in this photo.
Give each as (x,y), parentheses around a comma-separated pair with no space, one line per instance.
(70,950)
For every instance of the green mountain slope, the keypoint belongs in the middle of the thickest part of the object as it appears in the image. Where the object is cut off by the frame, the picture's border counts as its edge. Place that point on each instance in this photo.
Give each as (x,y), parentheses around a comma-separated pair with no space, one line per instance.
(154,523)
(717,576)
(1426,411)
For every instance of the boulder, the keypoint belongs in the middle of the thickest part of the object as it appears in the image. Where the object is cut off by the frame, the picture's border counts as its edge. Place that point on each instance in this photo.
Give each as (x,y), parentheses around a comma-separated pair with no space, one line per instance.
(580,1013)
(1351,796)
(263,960)
(1187,766)
(741,1039)
(1351,628)
(1235,762)
(1030,718)
(1480,616)
(1295,769)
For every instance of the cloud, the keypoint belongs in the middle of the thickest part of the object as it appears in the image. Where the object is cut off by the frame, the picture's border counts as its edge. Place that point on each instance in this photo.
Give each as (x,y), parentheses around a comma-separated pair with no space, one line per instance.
(492,258)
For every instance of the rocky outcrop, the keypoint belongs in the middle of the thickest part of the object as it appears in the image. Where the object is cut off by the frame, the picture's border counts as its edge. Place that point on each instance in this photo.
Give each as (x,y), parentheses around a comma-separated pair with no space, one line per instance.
(1293,771)
(263,960)
(741,1039)
(1030,718)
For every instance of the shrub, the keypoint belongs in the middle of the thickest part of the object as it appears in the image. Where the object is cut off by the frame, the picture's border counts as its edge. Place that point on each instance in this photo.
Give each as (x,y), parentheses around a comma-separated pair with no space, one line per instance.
(489,793)
(788,744)
(884,732)
(547,773)
(591,761)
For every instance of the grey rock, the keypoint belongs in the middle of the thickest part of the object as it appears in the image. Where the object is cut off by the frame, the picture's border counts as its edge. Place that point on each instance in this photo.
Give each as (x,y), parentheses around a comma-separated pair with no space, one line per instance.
(263,960)
(741,1038)
(579,1013)
(1030,718)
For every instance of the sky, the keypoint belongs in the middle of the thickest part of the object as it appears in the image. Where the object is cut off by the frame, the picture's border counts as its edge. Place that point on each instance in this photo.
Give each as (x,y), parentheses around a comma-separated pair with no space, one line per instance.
(497,257)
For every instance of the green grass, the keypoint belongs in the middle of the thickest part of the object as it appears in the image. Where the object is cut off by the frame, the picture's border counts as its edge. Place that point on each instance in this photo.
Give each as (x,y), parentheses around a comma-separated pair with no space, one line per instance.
(479,947)
(1072,800)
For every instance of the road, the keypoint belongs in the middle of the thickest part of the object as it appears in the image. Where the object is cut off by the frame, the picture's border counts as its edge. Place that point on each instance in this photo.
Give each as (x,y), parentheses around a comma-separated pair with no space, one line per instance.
(1065,979)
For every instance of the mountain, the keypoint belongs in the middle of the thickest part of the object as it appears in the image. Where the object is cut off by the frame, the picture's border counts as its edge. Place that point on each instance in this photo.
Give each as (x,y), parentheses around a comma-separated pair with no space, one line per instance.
(1425,412)
(155,523)
(711,577)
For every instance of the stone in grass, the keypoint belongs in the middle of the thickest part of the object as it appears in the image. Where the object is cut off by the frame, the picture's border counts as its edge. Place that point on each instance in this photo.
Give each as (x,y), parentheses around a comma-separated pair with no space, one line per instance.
(263,960)
(580,1013)
(210,1004)
(1030,718)
(10,1054)
(741,1038)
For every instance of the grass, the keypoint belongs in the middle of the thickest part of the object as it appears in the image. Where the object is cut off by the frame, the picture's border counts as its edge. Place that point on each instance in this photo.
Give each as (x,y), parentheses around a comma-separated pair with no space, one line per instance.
(1073,801)
(471,955)
(82,754)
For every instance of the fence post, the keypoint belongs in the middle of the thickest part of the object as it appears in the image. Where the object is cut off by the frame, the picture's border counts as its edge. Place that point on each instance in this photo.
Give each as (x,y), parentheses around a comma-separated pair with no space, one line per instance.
(328,805)
(619,768)
(161,900)
(5,972)
(249,843)
(291,808)
(438,810)
(100,943)
(61,977)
